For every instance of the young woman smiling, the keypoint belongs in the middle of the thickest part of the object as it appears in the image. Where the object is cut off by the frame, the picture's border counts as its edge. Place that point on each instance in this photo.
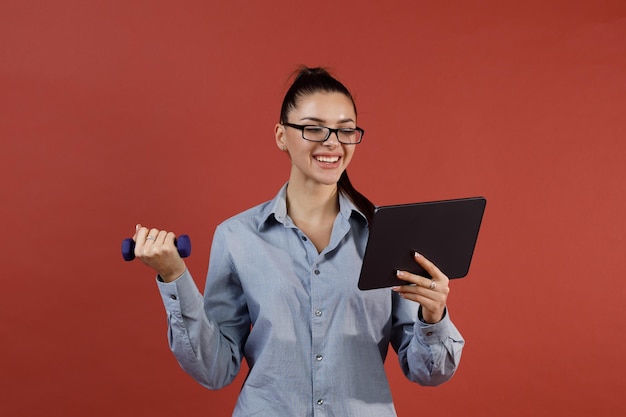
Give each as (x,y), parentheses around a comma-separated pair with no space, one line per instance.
(281,289)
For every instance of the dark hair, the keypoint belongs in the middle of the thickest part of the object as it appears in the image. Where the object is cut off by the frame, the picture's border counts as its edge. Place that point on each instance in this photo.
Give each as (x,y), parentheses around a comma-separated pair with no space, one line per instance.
(308,81)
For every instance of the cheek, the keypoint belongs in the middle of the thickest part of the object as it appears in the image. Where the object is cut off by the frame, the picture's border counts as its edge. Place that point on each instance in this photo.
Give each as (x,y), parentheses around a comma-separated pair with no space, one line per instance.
(348,154)
(300,151)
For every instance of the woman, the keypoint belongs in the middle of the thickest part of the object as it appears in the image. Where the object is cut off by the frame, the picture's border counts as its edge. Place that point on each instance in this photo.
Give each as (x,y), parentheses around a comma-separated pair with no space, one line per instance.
(281,289)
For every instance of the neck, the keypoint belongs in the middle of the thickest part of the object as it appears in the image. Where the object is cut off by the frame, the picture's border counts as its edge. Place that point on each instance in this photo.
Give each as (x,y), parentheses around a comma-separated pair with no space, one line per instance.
(312,204)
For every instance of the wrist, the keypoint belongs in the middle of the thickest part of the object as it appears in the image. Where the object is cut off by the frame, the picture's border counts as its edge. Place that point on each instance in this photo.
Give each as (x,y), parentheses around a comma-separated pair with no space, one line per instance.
(429,317)
(173,274)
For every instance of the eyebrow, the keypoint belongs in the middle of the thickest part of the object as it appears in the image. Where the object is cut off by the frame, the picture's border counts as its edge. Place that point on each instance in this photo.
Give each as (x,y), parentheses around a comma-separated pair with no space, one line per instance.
(318,120)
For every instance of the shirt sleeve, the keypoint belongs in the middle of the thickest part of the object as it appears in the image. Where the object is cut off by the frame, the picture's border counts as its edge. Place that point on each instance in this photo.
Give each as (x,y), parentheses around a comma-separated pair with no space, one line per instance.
(429,354)
(206,334)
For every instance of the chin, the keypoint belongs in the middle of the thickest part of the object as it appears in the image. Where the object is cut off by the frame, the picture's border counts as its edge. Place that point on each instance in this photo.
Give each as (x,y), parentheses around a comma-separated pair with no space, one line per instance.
(328,180)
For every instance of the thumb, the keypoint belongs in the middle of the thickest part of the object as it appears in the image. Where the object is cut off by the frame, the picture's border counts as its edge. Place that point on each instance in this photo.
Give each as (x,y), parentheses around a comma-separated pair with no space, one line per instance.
(137,227)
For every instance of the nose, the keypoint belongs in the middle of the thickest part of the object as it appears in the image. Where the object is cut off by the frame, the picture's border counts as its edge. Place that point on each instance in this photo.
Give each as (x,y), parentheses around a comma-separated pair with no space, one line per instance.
(333,139)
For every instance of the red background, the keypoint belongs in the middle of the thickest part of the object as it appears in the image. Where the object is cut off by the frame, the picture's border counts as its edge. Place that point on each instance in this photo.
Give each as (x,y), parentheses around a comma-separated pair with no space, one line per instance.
(117,112)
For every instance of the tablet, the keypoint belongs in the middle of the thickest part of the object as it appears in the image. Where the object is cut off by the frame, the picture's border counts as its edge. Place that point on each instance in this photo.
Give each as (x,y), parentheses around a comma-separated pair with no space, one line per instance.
(445,232)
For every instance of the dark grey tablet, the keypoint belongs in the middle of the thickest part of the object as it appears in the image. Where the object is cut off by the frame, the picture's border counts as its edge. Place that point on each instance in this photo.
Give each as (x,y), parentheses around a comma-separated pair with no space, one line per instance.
(445,232)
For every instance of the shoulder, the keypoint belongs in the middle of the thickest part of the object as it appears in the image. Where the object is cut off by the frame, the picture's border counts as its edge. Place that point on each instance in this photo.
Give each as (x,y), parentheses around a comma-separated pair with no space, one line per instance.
(257,217)
(250,218)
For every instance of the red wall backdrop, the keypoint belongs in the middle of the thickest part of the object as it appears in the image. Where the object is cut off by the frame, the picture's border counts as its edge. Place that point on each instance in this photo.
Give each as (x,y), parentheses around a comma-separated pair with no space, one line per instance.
(160,112)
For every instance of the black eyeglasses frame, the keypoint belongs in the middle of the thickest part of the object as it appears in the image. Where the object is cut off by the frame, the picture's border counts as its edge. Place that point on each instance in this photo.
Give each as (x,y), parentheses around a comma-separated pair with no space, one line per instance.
(330,132)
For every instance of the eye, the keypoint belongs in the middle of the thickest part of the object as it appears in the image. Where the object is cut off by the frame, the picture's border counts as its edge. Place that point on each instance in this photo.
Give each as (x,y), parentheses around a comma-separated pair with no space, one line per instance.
(347,133)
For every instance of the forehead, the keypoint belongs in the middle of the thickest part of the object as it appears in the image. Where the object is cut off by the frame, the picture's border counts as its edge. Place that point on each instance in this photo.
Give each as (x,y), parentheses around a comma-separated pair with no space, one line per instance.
(325,106)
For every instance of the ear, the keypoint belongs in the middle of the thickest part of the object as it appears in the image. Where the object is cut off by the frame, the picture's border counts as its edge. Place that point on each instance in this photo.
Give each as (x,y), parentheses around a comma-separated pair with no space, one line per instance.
(279,134)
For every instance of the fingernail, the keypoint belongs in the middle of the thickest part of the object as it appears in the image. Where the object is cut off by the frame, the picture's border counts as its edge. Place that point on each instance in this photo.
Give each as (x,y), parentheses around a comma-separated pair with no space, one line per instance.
(417,255)
(399,273)
(137,226)
(396,289)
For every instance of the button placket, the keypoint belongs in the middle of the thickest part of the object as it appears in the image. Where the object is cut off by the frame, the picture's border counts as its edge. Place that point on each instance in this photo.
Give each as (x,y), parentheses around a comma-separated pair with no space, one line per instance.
(318,328)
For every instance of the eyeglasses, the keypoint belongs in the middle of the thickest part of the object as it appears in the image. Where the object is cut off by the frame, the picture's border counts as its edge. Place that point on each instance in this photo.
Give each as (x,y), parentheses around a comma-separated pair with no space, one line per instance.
(347,136)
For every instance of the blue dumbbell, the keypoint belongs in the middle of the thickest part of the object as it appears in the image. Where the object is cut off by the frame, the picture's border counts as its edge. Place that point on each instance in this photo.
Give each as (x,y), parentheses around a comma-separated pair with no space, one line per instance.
(183,244)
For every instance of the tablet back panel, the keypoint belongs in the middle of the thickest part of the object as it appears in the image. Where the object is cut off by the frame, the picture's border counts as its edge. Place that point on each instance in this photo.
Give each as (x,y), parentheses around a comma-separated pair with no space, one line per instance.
(445,232)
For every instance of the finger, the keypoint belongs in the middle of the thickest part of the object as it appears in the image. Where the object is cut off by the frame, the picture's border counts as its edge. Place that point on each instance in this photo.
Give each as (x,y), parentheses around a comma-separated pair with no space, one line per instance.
(159,238)
(152,236)
(169,244)
(430,268)
(170,239)
(418,280)
(430,301)
(429,298)
(141,234)
(140,240)
(418,290)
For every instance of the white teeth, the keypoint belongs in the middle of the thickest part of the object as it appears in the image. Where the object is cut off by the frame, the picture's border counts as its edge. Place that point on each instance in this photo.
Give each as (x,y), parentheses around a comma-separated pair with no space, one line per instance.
(327,158)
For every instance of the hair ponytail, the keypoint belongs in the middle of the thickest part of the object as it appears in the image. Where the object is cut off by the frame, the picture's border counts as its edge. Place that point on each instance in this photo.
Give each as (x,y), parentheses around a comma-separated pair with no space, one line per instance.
(359,200)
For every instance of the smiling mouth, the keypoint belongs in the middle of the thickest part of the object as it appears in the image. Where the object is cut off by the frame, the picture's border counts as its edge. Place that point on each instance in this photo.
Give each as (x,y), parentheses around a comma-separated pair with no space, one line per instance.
(327,159)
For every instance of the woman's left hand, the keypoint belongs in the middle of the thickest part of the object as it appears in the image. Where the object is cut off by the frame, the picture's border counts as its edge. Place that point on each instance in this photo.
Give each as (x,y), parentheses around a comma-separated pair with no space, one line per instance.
(432,294)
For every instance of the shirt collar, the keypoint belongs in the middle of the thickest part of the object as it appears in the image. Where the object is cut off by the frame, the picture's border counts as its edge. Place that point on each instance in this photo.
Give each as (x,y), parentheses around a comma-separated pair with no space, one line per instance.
(276,209)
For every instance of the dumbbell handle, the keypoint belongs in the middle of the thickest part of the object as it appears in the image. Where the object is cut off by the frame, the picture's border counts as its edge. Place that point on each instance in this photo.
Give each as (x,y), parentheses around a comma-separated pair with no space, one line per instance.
(183,244)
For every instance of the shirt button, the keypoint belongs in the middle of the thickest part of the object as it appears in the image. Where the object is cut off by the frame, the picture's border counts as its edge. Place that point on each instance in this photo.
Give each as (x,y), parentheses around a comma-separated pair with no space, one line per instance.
(320,402)
(429,334)
(319,358)
(316,272)
(304,238)
(173,297)
(318,313)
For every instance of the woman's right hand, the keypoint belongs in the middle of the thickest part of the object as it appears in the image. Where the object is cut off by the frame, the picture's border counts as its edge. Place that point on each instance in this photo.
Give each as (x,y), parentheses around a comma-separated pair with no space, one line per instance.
(156,249)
